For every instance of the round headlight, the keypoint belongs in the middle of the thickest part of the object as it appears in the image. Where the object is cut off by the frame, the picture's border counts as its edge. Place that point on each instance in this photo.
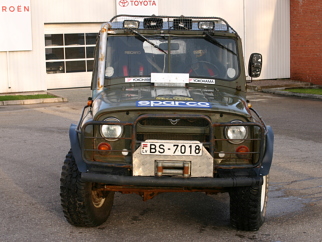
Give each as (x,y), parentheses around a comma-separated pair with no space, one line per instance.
(236,134)
(111,131)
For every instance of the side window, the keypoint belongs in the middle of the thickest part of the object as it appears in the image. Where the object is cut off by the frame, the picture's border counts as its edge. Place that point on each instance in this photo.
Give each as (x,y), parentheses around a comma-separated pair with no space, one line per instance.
(68,53)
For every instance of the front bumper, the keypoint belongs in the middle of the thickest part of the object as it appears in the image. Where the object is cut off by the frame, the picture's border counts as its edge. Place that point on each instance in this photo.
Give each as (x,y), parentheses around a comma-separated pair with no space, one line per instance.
(172,182)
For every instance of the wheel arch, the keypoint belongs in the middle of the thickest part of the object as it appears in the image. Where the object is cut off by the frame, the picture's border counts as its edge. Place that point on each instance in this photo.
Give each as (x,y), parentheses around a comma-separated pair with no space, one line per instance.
(268,156)
(75,146)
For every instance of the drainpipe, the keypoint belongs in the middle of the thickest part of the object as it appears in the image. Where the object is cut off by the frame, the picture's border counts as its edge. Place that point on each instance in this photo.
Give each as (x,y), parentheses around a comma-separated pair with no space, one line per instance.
(245,39)
(8,71)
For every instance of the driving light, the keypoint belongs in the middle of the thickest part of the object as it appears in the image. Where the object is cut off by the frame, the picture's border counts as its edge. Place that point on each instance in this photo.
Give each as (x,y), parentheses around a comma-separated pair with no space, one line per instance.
(111,131)
(206,25)
(131,24)
(236,134)
(221,154)
(125,152)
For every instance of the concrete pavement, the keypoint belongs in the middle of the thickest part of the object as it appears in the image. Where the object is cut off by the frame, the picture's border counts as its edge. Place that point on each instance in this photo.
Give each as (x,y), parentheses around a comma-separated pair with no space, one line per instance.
(278,87)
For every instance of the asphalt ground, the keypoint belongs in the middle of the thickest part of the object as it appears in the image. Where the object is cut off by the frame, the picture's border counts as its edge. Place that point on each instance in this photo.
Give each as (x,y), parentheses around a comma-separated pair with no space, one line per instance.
(35,142)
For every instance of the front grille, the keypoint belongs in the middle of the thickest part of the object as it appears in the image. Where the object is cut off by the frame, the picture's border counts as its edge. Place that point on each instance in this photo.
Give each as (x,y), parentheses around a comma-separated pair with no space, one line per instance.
(201,138)
(173,127)
(175,122)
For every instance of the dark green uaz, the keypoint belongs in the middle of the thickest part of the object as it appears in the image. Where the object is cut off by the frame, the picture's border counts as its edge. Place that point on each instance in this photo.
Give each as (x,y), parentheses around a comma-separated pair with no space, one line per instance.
(168,113)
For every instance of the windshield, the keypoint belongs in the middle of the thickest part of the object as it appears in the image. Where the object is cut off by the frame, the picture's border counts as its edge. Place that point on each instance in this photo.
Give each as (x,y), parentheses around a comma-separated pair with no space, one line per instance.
(133,56)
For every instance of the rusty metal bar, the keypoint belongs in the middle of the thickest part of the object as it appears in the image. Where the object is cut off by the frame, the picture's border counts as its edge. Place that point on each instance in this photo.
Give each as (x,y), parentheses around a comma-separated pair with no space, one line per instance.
(137,189)
(101,58)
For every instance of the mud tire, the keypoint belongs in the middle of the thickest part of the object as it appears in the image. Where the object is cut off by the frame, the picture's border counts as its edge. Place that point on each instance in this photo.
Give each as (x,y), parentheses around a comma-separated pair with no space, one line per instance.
(248,206)
(82,204)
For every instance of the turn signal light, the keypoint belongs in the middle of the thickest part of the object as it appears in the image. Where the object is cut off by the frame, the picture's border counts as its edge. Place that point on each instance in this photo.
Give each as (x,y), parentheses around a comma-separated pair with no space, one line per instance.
(89,102)
(242,152)
(104,147)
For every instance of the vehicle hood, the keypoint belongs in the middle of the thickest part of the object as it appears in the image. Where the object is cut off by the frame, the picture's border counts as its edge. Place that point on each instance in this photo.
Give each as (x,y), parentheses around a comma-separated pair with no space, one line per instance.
(170,98)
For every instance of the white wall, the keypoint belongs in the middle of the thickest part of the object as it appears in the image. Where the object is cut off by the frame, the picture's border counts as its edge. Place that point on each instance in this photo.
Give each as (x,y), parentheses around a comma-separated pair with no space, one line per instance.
(26,68)
(71,11)
(263,26)
(267,28)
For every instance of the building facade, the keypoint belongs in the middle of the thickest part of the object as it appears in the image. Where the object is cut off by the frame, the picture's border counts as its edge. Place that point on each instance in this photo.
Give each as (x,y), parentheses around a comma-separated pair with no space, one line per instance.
(306,41)
(63,37)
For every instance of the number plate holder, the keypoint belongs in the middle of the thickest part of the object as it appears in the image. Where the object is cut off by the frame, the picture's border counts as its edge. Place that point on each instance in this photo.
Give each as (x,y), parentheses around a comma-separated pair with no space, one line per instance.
(147,164)
(170,147)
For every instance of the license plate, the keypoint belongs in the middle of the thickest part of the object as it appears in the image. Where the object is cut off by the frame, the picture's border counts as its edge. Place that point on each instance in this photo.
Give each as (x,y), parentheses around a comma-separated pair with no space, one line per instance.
(166,148)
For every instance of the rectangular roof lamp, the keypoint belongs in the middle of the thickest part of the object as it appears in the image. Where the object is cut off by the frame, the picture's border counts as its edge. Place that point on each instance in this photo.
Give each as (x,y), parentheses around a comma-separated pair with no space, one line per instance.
(153,23)
(131,24)
(182,23)
(206,25)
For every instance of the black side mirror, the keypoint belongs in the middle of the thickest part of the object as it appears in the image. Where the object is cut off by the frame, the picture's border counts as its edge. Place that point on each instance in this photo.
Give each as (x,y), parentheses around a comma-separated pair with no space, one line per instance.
(255,65)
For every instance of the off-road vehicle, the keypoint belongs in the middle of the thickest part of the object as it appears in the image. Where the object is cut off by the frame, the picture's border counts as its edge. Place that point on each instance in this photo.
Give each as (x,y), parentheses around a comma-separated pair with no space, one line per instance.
(168,113)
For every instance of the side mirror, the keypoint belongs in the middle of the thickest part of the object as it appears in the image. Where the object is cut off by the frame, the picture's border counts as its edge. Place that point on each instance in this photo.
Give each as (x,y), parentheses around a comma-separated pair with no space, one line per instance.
(255,65)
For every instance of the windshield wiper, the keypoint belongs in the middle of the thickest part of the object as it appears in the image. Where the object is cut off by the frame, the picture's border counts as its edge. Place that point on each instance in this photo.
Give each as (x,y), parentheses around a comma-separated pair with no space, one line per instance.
(216,42)
(143,38)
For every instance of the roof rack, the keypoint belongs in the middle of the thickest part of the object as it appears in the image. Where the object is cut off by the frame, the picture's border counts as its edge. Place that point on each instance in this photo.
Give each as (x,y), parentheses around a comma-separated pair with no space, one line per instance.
(153,22)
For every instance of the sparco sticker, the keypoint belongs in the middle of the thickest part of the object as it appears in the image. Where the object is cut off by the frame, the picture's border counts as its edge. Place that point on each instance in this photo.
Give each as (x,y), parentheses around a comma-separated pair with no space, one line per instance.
(202,81)
(178,104)
(138,79)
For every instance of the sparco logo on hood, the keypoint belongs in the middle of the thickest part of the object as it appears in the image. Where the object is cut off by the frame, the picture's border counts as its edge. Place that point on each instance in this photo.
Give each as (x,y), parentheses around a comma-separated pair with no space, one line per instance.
(177,104)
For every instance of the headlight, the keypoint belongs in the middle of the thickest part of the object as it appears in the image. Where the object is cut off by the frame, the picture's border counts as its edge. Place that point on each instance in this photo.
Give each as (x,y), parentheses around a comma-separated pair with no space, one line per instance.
(236,134)
(111,131)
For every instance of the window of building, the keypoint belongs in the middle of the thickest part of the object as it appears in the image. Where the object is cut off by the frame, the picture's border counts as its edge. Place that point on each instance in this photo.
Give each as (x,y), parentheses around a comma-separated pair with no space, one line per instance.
(68,53)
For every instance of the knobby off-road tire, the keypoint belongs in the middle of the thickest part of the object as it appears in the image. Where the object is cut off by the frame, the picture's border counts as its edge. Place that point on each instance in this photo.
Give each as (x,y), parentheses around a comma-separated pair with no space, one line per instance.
(248,206)
(82,204)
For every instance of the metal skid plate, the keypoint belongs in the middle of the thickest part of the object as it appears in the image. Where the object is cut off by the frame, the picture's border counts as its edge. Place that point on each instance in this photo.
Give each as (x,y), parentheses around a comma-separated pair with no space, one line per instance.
(147,164)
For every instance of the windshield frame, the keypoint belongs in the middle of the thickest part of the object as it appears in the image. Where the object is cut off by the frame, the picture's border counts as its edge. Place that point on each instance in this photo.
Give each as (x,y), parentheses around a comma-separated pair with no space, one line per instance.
(168,53)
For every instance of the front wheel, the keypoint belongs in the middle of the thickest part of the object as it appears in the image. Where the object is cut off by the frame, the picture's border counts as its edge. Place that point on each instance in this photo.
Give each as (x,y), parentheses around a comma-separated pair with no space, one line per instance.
(248,206)
(84,203)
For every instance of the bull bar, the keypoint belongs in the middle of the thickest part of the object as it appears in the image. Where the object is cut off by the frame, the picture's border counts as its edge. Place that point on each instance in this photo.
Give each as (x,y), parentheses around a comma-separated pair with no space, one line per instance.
(172,182)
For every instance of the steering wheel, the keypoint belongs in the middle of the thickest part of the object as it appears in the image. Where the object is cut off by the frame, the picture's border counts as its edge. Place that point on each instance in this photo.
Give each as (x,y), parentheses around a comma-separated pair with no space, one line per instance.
(201,64)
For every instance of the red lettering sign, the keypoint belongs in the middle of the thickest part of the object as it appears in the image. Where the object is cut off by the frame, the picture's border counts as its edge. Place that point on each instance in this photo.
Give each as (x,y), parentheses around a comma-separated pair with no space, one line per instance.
(15,9)
(137,3)
(124,3)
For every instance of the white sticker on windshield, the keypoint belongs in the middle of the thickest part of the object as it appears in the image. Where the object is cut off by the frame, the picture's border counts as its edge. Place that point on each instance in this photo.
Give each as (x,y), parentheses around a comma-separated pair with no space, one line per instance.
(138,79)
(202,81)
(109,71)
(231,72)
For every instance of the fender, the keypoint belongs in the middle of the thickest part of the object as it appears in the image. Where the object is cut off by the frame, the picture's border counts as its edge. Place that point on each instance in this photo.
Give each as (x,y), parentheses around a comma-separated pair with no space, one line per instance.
(268,156)
(74,144)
